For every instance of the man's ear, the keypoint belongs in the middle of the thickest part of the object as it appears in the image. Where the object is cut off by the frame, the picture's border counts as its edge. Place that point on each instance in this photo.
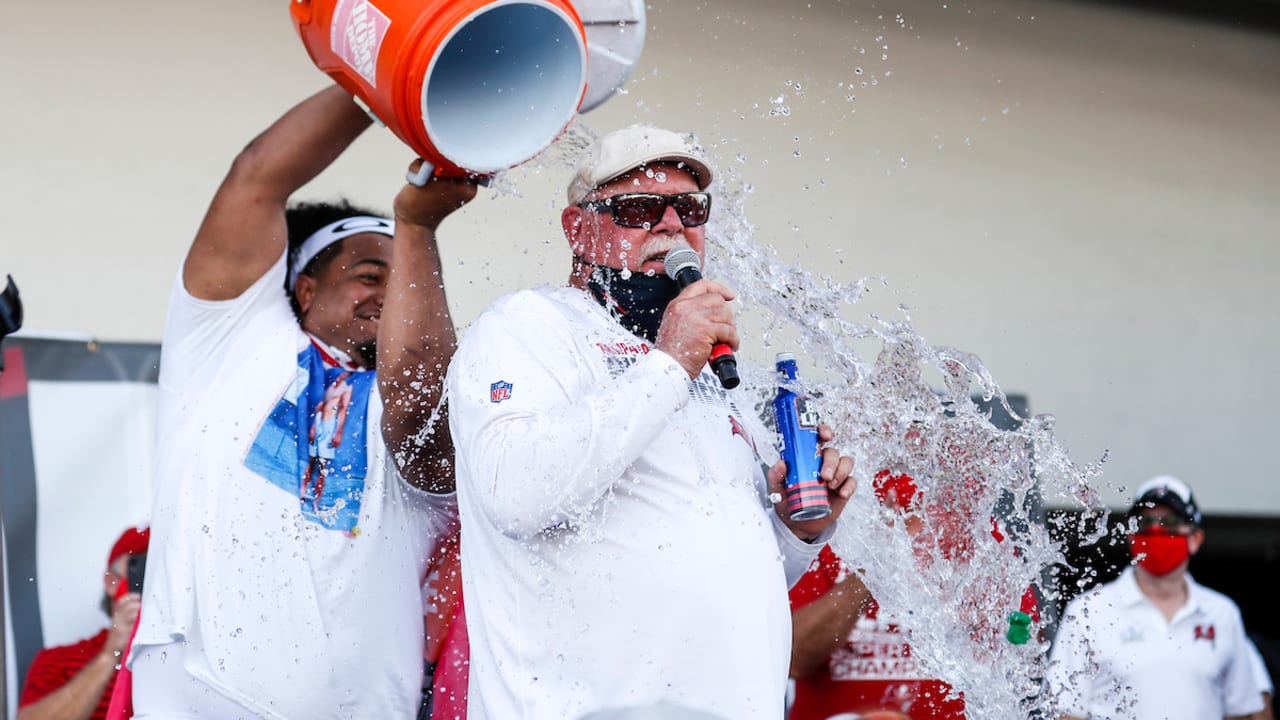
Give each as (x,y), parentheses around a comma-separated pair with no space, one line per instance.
(572,219)
(304,290)
(1195,540)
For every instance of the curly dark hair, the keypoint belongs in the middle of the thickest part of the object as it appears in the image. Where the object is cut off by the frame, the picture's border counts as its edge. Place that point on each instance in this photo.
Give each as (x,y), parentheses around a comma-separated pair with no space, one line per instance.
(302,220)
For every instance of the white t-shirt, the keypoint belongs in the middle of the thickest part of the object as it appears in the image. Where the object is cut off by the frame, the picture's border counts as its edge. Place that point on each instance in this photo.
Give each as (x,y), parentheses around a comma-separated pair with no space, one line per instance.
(306,601)
(617,549)
(1114,656)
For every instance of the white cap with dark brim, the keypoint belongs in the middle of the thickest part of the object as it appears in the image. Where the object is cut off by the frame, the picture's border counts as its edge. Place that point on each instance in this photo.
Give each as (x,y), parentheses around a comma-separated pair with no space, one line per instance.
(1171,492)
(624,150)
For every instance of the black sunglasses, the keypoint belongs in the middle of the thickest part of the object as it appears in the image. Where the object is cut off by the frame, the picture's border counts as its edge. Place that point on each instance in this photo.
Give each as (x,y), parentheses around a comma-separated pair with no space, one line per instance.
(644,210)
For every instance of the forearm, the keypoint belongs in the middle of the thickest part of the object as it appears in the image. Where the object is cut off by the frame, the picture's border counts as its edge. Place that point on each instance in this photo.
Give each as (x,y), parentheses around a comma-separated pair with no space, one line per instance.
(416,341)
(300,145)
(1267,712)
(244,231)
(78,698)
(555,472)
(550,460)
(821,627)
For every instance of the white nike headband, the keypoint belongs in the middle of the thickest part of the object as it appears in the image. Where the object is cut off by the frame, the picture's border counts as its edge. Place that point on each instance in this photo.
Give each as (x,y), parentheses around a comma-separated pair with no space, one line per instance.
(332,233)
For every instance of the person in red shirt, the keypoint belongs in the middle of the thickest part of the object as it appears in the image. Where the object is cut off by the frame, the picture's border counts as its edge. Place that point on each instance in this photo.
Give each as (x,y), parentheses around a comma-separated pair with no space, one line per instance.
(846,660)
(843,659)
(74,682)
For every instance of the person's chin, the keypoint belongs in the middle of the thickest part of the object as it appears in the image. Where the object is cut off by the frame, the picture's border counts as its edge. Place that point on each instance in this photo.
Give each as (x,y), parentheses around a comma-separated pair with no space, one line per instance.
(366,353)
(364,330)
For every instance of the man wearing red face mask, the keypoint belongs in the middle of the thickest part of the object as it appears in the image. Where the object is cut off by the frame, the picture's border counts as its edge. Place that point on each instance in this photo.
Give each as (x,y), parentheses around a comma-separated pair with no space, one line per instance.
(1153,643)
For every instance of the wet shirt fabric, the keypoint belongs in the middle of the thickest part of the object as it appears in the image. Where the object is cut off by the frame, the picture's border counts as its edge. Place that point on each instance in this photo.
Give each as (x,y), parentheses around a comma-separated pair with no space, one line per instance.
(1115,656)
(873,671)
(617,549)
(299,582)
(52,668)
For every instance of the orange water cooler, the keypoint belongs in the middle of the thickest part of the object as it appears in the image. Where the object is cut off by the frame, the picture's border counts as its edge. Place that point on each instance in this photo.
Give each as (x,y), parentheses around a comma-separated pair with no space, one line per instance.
(472,86)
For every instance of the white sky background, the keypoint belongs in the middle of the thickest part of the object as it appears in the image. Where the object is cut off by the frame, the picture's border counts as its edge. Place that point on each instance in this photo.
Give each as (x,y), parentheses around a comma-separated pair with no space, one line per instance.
(1082,196)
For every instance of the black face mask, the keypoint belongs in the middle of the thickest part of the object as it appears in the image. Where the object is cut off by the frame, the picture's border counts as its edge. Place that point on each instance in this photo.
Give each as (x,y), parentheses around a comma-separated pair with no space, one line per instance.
(637,301)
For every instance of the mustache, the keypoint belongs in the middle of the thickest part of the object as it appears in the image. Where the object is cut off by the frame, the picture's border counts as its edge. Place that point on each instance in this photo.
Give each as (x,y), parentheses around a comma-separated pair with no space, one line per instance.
(661,245)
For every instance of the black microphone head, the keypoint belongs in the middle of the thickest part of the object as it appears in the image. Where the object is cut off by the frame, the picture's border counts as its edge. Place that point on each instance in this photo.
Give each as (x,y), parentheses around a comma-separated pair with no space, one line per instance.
(682,258)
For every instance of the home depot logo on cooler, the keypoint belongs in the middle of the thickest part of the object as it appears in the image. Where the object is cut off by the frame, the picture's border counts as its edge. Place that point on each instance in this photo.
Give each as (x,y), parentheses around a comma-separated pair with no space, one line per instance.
(356,36)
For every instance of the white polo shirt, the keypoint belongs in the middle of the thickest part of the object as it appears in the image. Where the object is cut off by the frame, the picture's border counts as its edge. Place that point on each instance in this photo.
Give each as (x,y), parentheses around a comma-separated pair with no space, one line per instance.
(1115,656)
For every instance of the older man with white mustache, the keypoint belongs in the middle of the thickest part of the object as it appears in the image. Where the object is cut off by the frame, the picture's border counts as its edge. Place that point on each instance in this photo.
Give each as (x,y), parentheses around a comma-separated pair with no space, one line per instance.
(619,543)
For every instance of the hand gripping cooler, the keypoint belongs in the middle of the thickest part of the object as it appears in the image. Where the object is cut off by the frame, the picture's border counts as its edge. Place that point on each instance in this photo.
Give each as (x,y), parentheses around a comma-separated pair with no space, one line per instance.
(472,86)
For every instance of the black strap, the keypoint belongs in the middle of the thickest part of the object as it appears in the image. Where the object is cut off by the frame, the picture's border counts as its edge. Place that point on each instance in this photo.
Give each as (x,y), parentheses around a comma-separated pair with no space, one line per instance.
(428,689)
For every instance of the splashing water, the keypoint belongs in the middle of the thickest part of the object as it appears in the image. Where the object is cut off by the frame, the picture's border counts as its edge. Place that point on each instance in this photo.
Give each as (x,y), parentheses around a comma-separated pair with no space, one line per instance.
(953,585)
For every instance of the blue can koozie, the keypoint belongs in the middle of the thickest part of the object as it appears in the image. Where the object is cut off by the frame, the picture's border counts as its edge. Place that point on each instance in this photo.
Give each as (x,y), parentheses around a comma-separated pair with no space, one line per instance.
(806,495)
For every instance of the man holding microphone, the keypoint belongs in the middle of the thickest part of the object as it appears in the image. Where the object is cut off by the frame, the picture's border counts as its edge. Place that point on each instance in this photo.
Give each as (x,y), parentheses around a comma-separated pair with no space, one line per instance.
(621,544)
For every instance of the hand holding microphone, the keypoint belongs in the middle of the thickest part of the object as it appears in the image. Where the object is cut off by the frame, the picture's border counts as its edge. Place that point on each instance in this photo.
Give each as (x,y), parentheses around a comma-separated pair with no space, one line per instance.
(685,267)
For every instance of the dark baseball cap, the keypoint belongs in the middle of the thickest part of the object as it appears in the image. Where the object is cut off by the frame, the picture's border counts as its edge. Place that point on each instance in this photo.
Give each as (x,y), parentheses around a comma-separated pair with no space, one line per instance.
(1172,493)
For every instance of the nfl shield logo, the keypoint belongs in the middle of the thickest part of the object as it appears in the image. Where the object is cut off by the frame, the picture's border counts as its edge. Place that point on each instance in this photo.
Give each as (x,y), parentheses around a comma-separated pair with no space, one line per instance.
(499,391)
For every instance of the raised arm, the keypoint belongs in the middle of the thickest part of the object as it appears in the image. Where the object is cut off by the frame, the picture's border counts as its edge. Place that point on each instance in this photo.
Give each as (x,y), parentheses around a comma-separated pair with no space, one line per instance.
(416,337)
(243,232)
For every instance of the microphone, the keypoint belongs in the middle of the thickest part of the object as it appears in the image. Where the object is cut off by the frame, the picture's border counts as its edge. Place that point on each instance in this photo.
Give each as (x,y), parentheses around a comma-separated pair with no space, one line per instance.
(685,267)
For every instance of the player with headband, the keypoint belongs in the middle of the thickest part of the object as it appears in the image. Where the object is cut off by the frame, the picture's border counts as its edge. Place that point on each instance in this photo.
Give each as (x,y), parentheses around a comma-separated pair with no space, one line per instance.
(284,580)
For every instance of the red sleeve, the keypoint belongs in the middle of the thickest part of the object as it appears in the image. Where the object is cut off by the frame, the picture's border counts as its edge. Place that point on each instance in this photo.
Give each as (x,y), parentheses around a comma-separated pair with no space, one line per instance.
(54,667)
(44,676)
(818,580)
